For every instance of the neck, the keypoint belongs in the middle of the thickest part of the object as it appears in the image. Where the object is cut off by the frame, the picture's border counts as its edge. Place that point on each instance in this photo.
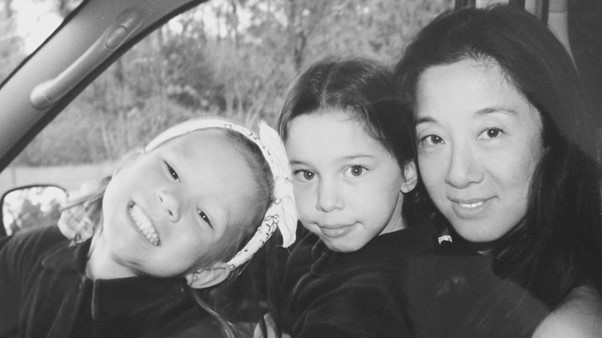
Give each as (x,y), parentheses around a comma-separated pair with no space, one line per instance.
(102,263)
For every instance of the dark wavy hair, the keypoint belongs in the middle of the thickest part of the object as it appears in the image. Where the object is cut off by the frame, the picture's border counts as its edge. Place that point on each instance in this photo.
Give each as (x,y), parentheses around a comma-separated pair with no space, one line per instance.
(558,245)
(364,90)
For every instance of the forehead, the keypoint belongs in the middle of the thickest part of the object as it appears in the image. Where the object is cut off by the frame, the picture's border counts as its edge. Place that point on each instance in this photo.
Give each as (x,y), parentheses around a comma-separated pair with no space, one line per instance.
(468,83)
(326,122)
(328,133)
(202,141)
(470,73)
(210,159)
(212,152)
(471,93)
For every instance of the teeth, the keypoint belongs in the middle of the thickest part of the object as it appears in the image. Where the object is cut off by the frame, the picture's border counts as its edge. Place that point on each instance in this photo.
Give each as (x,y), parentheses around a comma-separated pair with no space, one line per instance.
(471,205)
(144,225)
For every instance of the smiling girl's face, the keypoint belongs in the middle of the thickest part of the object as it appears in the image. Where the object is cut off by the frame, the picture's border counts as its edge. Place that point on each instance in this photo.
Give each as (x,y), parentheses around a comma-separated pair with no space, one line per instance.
(479,144)
(170,207)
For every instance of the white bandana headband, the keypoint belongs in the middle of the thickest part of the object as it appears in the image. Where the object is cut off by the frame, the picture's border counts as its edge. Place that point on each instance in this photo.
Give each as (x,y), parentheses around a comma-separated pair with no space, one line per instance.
(282,213)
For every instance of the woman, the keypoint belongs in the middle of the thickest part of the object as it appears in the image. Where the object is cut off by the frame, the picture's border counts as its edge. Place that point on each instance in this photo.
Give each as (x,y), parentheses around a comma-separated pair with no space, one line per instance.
(508,155)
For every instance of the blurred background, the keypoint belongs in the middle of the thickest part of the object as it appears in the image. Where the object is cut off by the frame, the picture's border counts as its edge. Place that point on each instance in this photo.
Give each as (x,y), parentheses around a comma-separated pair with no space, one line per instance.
(233,58)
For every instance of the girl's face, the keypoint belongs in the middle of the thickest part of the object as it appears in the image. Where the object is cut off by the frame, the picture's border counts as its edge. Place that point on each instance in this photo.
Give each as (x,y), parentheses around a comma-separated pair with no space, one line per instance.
(347,185)
(479,144)
(170,207)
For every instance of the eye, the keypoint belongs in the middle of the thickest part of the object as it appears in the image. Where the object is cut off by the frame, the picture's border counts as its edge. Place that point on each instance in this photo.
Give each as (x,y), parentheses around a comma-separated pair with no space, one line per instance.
(172,172)
(356,170)
(205,218)
(304,175)
(431,140)
(493,132)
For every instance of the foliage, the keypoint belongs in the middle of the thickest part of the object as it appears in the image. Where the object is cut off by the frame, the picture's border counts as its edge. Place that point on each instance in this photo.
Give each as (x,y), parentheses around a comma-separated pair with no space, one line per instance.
(235,58)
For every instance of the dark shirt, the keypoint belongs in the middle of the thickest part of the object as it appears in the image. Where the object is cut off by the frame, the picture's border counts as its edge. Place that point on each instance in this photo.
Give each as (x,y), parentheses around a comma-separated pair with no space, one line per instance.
(355,294)
(44,292)
(452,292)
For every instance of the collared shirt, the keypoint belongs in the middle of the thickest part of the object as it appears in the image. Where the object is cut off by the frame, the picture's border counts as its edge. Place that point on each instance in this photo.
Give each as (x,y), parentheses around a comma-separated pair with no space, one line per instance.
(44,292)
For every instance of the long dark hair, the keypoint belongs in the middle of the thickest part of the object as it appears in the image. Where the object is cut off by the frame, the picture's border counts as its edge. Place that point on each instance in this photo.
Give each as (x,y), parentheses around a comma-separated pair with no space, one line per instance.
(558,246)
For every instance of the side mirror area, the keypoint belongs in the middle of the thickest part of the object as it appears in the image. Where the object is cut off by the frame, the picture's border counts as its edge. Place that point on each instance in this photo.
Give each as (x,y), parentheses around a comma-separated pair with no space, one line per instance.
(29,207)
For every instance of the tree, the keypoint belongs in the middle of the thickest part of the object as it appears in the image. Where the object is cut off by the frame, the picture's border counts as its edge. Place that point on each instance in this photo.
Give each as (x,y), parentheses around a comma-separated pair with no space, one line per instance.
(233,58)
(11,44)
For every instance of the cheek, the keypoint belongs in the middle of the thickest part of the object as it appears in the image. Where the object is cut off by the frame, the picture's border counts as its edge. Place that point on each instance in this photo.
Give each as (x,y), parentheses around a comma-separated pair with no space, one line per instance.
(519,166)
(304,199)
(187,250)
(389,189)
(432,173)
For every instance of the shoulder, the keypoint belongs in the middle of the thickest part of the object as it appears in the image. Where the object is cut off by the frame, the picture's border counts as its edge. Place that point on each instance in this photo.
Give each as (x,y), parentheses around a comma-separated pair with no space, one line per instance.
(580,315)
(26,247)
(35,240)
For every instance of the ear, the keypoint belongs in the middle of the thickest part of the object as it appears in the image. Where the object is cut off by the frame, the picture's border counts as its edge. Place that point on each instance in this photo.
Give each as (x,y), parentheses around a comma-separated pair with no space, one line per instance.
(410,178)
(209,276)
(128,159)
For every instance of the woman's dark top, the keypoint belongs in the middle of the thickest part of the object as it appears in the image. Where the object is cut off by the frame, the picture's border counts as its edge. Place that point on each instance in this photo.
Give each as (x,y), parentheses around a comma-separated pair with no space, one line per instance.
(44,292)
(453,292)
(330,294)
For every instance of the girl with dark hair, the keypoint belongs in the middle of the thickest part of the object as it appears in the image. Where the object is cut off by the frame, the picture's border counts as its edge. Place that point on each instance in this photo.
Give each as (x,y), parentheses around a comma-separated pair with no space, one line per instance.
(176,221)
(350,145)
(508,155)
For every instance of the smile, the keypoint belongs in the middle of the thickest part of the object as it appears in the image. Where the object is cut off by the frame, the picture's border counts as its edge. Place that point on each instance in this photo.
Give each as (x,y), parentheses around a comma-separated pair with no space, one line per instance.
(469,208)
(143,224)
(471,205)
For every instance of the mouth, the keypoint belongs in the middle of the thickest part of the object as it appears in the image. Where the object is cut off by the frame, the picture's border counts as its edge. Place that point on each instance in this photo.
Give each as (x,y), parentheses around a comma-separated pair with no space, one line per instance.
(143,224)
(335,231)
(471,205)
(469,208)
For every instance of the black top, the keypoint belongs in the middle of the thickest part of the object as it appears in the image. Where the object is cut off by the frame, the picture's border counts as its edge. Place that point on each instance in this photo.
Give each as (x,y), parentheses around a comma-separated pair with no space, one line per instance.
(401,284)
(44,292)
(331,294)
(453,292)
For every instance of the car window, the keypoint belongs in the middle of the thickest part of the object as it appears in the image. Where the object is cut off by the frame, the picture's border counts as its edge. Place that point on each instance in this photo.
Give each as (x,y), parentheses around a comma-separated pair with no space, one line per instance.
(24,25)
(228,58)
(221,58)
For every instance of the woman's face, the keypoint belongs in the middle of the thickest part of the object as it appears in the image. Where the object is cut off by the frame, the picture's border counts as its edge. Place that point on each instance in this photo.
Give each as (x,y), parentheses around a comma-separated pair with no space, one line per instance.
(479,144)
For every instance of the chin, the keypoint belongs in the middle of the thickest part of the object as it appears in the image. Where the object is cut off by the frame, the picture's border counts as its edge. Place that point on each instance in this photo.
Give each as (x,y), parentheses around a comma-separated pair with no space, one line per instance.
(342,245)
(479,241)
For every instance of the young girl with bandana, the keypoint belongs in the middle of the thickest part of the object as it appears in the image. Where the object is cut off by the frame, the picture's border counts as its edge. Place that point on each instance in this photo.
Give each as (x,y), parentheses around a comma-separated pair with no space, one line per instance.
(173,226)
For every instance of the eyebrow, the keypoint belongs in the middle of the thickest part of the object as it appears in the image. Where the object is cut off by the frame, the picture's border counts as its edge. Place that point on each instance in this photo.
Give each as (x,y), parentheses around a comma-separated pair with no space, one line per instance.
(344,158)
(425,120)
(217,214)
(490,110)
(357,156)
(481,112)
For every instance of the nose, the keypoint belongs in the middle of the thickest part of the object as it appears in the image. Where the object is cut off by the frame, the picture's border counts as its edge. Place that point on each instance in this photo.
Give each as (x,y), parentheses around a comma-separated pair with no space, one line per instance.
(329,198)
(169,205)
(464,167)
